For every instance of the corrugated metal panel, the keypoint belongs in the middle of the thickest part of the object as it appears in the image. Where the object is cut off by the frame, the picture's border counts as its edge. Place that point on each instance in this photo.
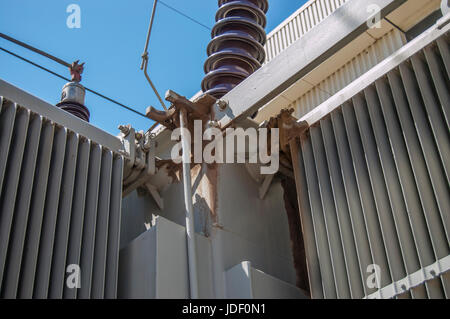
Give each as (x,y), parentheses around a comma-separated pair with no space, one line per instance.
(373,185)
(359,65)
(306,18)
(60,202)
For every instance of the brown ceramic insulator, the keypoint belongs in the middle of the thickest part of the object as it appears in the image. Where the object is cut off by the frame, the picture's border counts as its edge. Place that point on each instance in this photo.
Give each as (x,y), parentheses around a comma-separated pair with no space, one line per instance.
(75,109)
(237,46)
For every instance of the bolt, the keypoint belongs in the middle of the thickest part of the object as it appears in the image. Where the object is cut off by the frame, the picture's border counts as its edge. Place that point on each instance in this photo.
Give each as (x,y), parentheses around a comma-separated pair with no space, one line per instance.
(139,135)
(222,104)
(148,139)
(124,129)
(213,123)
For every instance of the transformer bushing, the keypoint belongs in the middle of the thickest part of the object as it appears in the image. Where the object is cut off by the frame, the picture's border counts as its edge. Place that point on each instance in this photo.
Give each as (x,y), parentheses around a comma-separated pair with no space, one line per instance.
(237,46)
(73,94)
(72,100)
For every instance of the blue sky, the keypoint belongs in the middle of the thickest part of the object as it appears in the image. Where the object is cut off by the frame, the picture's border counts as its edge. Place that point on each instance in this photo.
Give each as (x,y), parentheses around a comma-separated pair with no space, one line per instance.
(111,40)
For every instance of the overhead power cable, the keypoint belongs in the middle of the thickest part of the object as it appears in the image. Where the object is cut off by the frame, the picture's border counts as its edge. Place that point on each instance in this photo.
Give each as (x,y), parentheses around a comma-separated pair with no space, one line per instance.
(145,55)
(29,47)
(184,15)
(68,80)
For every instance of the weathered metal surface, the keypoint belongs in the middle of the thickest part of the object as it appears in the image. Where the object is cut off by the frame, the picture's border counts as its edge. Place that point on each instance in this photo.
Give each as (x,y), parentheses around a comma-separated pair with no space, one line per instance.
(236,50)
(372,179)
(199,108)
(52,216)
(143,169)
(295,231)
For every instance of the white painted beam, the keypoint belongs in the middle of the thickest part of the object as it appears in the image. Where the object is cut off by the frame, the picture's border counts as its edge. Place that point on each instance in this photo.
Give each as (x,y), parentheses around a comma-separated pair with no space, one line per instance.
(316,46)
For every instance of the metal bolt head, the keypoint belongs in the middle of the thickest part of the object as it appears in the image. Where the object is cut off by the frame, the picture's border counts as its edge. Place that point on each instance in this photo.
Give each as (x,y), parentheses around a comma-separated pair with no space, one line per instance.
(139,135)
(149,138)
(222,104)
(213,123)
(125,129)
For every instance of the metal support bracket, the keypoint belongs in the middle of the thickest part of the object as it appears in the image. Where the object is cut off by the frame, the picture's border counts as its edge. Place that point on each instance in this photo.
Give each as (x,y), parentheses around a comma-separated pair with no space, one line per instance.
(140,160)
(200,108)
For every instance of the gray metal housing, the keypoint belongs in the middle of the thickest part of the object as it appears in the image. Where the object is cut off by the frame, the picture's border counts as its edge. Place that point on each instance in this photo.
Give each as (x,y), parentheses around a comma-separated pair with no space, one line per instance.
(372,178)
(60,201)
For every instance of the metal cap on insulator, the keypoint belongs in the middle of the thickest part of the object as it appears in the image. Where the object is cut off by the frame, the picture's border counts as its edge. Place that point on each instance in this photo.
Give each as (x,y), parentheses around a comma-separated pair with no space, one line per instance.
(72,100)
(237,46)
(73,94)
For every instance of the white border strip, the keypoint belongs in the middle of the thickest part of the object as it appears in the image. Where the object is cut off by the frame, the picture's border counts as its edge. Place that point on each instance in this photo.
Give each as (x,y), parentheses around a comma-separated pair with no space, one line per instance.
(416,279)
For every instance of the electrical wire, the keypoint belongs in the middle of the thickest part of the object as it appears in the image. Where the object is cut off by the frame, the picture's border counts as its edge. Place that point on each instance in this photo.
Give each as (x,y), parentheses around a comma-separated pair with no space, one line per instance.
(184,15)
(66,79)
(144,65)
(64,63)
(29,47)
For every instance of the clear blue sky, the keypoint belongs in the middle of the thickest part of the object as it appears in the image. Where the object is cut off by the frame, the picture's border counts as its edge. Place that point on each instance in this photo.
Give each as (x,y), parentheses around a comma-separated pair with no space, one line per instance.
(111,40)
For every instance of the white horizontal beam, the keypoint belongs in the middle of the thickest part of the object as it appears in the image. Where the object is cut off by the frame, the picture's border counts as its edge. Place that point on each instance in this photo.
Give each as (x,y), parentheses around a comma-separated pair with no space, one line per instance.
(316,46)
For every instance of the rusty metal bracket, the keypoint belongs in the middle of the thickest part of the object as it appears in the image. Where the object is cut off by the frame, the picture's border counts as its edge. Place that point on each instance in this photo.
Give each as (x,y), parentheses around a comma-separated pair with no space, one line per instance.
(200,108)
(195,109)
(165,118)
(289,128)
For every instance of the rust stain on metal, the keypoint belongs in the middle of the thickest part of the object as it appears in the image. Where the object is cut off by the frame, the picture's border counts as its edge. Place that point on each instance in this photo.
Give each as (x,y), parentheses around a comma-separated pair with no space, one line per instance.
(205,186)
(289,129)
(295,231)
(212,175)
(76,70)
